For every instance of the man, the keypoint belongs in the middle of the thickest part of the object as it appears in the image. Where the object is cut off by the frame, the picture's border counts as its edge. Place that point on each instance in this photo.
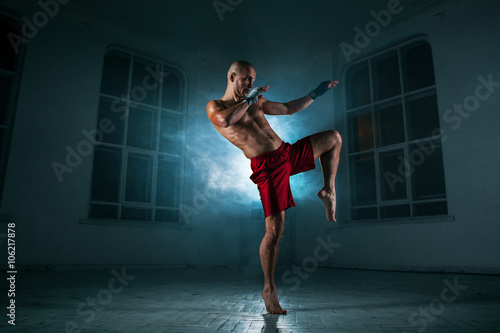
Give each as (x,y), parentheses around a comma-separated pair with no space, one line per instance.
(240,119)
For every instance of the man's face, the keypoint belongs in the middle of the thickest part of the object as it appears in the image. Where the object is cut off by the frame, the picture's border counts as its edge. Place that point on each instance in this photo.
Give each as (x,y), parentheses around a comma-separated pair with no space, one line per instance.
(243,82)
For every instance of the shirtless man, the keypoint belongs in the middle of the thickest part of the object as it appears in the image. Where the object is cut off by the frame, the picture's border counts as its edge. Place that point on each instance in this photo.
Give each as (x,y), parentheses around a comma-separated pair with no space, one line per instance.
(239,117)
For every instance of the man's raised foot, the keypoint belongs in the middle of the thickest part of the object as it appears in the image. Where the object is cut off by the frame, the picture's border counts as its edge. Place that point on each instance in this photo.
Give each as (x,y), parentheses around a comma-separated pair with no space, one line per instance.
(330,201)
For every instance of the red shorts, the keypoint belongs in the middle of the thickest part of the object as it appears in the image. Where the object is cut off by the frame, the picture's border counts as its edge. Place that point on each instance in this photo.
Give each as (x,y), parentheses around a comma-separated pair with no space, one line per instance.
(272,171)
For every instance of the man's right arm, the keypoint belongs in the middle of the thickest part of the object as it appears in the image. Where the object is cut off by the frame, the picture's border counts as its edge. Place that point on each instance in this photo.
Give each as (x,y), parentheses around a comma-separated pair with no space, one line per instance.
(220,116)
(225,117)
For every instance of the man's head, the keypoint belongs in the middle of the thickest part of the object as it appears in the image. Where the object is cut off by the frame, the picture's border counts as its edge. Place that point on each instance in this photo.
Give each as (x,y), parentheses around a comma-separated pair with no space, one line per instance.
(240,78)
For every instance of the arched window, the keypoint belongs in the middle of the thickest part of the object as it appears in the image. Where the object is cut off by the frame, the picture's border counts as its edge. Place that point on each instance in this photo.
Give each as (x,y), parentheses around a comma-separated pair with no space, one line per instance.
(10,66)
(137,168)
(394,138)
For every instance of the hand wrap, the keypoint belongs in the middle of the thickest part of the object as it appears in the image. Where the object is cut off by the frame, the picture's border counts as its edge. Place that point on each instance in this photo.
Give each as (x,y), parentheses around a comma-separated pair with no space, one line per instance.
(253,96)
(320,91)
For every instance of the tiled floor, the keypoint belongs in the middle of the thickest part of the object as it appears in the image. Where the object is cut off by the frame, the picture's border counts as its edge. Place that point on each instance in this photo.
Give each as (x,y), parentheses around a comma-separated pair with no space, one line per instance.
(228,300)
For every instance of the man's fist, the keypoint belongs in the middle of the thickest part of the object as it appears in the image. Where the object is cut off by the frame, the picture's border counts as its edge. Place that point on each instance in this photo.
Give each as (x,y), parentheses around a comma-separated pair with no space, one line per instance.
(253,95)
(322,88)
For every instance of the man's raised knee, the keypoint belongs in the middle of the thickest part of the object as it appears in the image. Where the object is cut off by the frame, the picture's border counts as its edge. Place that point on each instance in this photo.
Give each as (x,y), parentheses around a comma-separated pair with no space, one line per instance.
(336,137)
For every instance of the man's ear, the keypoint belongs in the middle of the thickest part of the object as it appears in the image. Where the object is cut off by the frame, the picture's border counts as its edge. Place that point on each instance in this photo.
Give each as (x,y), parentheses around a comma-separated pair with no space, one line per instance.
(232,77)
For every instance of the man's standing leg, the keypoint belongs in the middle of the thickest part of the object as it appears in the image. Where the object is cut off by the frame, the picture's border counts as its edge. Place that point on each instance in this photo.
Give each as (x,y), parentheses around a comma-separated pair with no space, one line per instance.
(269,249)
(326,146)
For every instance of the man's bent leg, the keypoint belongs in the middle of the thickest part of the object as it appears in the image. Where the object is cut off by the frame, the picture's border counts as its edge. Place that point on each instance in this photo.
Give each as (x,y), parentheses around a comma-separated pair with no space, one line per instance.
(269,248)
(326,146)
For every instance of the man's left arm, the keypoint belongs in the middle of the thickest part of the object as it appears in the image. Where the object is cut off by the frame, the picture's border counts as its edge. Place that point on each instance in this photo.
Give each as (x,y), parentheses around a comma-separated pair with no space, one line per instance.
(289,108)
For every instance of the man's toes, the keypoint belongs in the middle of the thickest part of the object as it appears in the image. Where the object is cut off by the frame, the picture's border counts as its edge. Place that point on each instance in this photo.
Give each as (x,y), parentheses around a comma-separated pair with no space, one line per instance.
(276,310)
(279,310)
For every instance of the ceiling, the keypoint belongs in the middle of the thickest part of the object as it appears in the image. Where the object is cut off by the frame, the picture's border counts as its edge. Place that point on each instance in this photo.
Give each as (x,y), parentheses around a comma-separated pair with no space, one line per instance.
(257,27)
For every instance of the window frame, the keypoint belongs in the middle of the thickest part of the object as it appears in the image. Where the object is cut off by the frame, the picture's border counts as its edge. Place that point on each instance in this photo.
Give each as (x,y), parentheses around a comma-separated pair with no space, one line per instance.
(13,97)
(377,150)
(156,154)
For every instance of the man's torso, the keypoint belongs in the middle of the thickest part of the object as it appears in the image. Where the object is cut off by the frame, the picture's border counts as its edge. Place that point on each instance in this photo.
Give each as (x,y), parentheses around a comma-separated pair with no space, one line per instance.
(252,133)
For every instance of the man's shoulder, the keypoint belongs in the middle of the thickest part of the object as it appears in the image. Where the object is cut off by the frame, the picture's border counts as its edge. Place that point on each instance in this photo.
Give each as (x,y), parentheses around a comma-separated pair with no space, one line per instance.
(219,104)
(214,101)
(214,104)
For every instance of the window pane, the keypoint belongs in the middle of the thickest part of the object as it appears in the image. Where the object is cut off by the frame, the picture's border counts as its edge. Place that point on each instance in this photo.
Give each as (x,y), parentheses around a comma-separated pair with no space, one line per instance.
(139,176)
(361,131)
(423,116)
(5,83)
(388,212)
(106,176)
(386,76)
(390,124)
(7,51)
(168,189)
(167,215)
(142,128)
(418,68)
(145,88)
(428,172)
(364,213)
(103,211)
(138,214)
(358,87)
(393,181)
(113,112)
(363,179)
(171,133)
(430,208)
(171,98)
(115,74)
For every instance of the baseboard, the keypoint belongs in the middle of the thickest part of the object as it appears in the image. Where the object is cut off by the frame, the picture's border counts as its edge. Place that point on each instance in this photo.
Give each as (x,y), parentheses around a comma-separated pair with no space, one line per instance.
(385,268)
(423,269)
(91,267)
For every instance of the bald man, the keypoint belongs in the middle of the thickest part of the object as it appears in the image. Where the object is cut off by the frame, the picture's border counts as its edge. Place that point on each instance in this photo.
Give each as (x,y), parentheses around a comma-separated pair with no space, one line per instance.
(239,117)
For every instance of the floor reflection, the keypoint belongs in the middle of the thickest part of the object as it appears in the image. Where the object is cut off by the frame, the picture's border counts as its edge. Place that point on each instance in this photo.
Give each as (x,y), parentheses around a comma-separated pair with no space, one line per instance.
(270,323)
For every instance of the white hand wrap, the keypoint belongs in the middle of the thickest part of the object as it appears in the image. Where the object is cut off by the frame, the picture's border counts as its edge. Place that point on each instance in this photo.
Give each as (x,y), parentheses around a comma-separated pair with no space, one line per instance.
(253,96)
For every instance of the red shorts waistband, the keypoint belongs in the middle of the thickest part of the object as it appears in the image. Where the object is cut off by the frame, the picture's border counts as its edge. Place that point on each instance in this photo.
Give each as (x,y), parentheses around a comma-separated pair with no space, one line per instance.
(269,153)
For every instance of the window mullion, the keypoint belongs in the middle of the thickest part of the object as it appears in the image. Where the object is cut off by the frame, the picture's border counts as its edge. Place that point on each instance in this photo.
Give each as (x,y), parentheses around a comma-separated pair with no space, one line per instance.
(123,176)
(156,158)
(123,179)
(349,157)
(407,135)
(156,154)
(375,138)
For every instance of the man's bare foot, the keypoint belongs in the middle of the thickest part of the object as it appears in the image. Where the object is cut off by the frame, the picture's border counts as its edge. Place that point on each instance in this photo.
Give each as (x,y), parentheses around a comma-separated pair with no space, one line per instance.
(272,304)
(330,201)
